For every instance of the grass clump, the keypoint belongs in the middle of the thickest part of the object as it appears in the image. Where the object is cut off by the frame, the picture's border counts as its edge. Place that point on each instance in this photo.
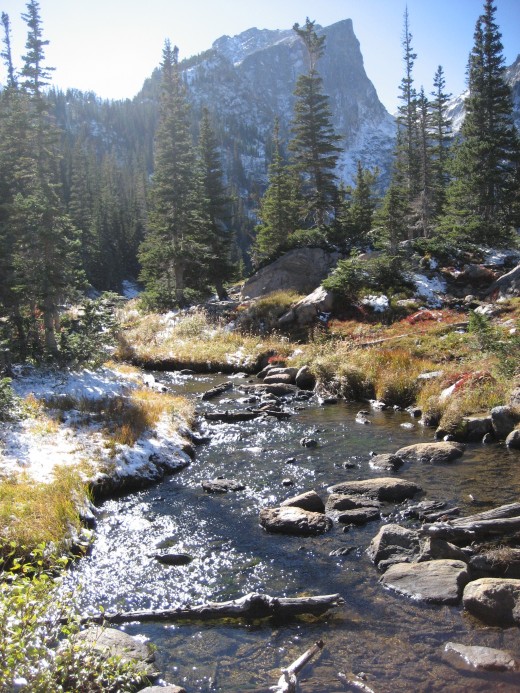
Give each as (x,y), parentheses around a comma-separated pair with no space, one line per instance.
(262,315)
(33,513)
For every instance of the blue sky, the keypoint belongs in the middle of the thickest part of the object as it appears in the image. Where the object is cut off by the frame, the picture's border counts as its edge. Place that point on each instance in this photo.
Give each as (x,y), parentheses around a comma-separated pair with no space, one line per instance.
(111,46)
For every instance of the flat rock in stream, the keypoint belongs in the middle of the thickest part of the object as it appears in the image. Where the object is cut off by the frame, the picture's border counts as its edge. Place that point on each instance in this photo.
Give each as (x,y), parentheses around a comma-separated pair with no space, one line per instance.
(295,521)
(111,642)
(435,582)
(222,485)
(431,453)
(216,391)
(359,516)
(277,389)
(394,542)
(173,558)
(478,657)
(386,462)
(382,488)
(340,501)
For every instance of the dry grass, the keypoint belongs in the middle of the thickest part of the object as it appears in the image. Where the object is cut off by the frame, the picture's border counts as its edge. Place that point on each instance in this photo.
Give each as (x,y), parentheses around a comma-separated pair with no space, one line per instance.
(32,513)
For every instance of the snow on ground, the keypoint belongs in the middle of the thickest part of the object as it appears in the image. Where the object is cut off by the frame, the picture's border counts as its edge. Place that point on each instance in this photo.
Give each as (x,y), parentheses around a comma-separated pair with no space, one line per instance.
(430,289)
(379,304)
(42,439)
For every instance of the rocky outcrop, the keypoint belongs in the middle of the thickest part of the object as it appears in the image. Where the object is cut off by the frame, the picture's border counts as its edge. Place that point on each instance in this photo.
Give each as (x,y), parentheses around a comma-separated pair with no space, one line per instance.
(494,600)
(382,488)
(300,270)
(435,582)
(431,453)
(296,521)
(306,311)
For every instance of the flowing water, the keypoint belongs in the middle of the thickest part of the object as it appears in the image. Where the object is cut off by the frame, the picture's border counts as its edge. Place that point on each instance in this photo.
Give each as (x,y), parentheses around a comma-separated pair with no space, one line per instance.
(396,642)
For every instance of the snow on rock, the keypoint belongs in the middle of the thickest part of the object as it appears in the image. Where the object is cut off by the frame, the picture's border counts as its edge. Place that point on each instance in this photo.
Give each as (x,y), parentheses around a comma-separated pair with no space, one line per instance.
(38,443)
(430,289)
(379,304)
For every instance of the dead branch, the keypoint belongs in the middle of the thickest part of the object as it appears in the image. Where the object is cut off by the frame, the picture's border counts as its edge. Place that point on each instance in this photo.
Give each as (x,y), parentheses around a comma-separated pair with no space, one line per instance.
(288,681)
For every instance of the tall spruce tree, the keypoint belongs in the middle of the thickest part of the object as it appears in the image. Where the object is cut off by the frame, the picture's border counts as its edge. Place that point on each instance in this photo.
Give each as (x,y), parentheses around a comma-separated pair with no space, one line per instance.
(441,137)
(219,267)
(314,145)
(174,249)
(280,207)
(43,248)
(483,194)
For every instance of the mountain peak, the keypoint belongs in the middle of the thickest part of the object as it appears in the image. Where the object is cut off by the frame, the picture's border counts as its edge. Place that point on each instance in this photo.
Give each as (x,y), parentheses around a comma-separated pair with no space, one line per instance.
(237,48)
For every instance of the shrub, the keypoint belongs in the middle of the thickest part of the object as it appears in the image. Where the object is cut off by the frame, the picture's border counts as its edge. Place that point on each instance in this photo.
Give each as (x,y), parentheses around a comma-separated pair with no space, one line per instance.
(38,648)
(7,399)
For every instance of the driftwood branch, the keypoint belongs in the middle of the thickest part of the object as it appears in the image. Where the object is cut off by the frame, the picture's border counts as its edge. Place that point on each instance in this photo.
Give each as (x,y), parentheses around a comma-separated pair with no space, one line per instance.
(496,522)
(288,681)
(252,606)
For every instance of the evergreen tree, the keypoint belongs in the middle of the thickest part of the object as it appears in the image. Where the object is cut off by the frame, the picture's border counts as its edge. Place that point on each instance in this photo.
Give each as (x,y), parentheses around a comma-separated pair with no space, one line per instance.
(355,212)
(483,195)
(314,144)
(220,267)
(174,248)
(440,135)
(280,207)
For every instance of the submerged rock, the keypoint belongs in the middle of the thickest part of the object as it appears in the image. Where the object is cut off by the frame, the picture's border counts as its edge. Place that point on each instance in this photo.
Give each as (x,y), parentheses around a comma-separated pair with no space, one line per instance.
(386,462)
(477,657)
(222,485)
(111,642)
(296,521)
(359,516)
(435,582)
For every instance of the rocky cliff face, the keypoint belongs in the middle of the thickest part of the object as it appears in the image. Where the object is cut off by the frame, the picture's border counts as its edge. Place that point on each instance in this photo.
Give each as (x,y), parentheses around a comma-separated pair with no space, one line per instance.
(248,80)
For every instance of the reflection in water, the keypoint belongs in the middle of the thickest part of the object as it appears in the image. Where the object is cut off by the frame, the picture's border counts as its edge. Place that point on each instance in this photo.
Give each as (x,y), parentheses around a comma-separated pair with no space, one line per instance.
(395,641)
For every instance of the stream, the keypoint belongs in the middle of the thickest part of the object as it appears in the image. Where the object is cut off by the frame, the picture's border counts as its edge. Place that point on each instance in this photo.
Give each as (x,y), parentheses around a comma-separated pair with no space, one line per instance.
(391,642)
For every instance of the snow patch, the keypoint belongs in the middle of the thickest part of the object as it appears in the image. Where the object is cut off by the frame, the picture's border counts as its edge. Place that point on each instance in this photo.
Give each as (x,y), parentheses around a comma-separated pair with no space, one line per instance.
(379,304)
(430,289)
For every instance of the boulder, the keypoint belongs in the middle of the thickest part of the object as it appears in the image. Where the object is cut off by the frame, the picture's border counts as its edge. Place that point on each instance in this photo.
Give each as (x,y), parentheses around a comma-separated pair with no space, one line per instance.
(478,657)
(513,439)
(305,380)
(276,389)
(301,270)
(393,540)
(307,501)
(306,311)
(222,485)
(382,488)
(433,549)
(507,285)
(474,428)
(111,642)
(514,399)
(504,420)
(340,501)
(502,562)
(432,453)
(174,558)
(435,582)
(359,516)
(386,462)
(307,442)
(291,520)
(287,378)
(494,600)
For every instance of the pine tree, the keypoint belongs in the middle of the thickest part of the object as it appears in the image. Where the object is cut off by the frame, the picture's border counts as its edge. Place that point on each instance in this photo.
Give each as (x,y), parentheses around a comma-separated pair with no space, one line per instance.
(483,195)
(441,136)
(280,207)
(220,267)
(174,248)
(314,144)
(355,212)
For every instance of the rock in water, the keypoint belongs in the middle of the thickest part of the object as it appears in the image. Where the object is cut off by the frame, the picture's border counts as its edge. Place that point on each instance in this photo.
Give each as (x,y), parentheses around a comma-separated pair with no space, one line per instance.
(494,600)
(436,582)
(290,520)
(486,658)
(431,453)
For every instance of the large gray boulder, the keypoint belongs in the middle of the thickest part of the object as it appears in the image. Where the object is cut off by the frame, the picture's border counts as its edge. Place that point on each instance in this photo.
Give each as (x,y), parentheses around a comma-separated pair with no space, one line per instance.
(507,285)
(435,582)
(504,419)
(393,541)
(301,270)
(296,521)
(383,488)
(494,600)
(305,312)
(513,439)
(431,453)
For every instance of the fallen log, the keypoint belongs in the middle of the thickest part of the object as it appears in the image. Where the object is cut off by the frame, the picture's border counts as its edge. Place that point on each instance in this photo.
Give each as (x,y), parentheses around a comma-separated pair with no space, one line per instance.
(252,606)
(496,522)
(216,391)
(288,681)
(234,416)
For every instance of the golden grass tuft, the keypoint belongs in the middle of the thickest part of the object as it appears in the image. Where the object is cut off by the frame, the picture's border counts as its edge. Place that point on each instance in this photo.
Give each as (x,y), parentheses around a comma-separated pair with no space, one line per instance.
(32,513)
